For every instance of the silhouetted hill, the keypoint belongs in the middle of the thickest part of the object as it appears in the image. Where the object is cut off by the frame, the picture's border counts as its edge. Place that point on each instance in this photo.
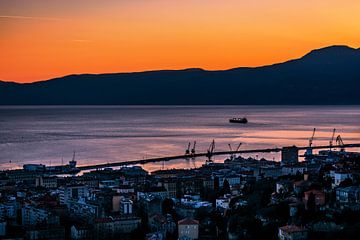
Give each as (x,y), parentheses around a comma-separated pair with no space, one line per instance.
(329,75)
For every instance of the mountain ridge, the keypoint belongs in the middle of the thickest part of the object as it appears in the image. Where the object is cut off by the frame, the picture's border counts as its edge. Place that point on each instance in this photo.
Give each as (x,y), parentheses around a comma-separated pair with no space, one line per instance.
(327,75)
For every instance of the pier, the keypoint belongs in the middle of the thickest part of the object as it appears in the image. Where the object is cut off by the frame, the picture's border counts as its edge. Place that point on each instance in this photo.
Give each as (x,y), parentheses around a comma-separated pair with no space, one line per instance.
(206,154)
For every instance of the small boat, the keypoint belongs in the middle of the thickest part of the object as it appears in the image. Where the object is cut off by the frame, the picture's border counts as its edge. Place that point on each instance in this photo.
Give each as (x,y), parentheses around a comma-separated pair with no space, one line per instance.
(238,120)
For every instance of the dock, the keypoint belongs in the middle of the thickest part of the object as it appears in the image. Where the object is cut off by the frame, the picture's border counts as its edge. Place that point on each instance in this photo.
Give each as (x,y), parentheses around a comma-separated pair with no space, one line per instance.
(204,154)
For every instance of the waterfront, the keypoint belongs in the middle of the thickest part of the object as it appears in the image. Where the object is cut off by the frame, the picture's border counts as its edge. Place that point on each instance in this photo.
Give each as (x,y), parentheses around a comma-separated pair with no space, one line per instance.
(96,199)
(100,134)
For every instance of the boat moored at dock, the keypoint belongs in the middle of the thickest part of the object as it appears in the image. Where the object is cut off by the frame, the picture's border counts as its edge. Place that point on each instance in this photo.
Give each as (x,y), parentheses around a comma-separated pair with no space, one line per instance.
(69,168)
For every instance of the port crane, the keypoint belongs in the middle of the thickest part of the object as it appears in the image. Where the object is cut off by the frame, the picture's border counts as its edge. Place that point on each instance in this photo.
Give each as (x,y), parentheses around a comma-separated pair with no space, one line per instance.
(232,155)
(238,147)
(193,151)
(187,151)
(200,154)
(340,143)
(210,151)
(332,139)
(311,139)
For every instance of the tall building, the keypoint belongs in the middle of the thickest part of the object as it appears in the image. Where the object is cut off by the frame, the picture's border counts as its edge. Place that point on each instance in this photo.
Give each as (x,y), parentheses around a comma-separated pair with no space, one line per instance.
(289,155)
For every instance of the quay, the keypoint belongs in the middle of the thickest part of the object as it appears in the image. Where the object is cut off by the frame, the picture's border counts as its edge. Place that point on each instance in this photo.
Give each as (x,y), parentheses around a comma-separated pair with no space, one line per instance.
(207,154)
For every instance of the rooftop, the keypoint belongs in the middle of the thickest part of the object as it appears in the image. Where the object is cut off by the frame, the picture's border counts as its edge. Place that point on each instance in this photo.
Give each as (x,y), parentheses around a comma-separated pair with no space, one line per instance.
(292,228)
(188,221)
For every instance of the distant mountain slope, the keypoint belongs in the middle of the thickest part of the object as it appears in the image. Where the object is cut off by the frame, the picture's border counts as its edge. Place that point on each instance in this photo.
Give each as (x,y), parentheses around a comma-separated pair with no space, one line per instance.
(329,75)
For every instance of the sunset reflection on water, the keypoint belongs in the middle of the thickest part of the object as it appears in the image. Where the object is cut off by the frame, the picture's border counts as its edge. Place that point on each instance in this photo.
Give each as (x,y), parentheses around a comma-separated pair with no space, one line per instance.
(105,134)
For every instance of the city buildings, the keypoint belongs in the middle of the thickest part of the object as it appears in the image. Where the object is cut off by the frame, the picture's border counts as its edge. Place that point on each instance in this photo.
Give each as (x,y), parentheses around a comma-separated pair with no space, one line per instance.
(242,198)
(188,229)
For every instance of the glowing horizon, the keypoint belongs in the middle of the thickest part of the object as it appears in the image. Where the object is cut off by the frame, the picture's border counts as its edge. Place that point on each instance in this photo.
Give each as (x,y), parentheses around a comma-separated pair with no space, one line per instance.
(45,39)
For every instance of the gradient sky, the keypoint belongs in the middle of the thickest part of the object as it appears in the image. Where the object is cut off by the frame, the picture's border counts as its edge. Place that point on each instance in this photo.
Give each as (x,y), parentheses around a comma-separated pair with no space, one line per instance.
(41,39)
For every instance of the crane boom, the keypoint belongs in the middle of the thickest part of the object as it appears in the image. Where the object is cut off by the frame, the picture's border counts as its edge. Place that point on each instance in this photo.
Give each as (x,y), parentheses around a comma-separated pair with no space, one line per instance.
(193,148)
(340,143)
(210,150)
(312,138)
(213,146)
(238,147)
(332,138)
(187,151)
(232,156)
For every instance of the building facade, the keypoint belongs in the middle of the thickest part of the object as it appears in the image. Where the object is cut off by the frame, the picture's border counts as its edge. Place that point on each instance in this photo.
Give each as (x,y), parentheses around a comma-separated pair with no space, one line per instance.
(188,229)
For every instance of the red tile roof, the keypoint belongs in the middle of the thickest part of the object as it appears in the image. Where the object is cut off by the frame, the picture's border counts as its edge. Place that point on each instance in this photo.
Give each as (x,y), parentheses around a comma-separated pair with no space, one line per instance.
(188,221)
(292,228)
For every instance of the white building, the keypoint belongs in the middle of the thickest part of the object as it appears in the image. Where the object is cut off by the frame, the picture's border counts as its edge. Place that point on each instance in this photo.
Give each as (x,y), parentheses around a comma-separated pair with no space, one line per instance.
(188,229)
(341,176)
(73,192)
(223,202)
(126,206)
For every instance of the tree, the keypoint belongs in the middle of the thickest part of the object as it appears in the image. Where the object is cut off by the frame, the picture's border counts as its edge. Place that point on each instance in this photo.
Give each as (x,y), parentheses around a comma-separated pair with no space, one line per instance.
(167,206)
(226,187)
(310,205)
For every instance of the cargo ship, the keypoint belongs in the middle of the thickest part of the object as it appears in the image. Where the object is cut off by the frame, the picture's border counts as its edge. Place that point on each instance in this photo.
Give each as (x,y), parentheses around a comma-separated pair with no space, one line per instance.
(238,120)
(69,168)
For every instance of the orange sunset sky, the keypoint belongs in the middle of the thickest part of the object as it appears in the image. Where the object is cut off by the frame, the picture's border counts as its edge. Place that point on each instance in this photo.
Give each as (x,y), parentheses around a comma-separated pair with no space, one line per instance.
(42,39)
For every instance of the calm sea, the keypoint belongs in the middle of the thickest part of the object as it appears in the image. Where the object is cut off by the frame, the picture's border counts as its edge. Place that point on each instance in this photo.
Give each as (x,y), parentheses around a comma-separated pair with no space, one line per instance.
(101,134)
